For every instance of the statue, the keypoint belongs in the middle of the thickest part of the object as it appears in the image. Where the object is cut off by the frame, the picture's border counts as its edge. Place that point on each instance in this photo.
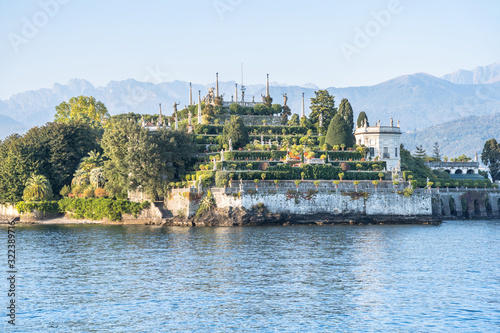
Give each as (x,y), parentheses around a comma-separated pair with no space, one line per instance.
(392,123)
(320,120)
(262,139)
(253,99)
(285,99)
(230,144)
(175,106)
(189,117)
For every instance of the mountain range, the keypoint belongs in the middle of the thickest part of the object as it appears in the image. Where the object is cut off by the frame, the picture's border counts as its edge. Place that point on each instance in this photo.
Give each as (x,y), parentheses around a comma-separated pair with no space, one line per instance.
(419,100)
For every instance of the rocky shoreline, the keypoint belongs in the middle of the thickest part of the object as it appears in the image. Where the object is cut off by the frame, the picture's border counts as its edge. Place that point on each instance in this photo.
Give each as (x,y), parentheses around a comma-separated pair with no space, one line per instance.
(229,217)
(237,217)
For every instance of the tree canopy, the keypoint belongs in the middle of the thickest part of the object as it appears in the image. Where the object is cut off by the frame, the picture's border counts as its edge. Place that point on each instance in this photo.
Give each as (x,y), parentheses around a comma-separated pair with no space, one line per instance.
(82,108)
(491,158)
(237,131)
(53,150)
(339,132)
(322,104)
(361,119)
(139,159)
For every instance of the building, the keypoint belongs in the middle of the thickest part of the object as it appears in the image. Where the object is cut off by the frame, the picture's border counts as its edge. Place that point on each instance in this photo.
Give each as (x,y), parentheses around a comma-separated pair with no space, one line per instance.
(383,141)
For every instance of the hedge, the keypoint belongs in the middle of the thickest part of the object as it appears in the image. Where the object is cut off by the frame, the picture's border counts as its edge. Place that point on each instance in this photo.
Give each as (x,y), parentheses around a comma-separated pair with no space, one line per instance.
(42,206)
(365,165)
(97,209)
(254,155)
(343,155)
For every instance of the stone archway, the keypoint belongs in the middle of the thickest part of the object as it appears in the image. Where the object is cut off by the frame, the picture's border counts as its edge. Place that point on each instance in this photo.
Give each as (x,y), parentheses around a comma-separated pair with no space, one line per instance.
(458,172)
(465,208)
(489,208)
(470,172)
(453,207)
(477,208)
(447,171)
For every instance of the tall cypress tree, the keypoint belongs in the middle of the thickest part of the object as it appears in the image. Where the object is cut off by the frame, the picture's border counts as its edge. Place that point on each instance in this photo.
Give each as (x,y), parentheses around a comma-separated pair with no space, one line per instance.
(345,109)
(361,119)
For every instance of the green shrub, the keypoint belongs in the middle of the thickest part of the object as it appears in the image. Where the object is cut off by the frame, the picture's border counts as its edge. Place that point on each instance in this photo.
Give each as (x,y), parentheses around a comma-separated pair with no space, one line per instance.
(42,206)
(97,209)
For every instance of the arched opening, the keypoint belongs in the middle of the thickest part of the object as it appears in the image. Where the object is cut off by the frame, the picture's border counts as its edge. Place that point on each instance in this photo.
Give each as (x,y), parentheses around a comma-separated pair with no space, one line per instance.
(443,211)
(465,208)
(453,207)
(477,209)
(489,208)
(470,172)
(447,171)
(458,171)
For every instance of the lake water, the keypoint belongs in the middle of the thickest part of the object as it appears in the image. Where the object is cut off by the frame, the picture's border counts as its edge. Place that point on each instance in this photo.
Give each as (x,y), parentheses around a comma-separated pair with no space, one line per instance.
(95,278)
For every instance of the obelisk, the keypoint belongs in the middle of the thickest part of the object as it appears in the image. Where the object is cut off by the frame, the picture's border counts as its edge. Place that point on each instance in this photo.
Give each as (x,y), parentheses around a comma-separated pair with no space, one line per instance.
(199,107)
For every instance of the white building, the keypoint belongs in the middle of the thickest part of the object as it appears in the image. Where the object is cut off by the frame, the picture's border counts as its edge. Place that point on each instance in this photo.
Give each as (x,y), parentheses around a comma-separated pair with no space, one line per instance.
(383,141)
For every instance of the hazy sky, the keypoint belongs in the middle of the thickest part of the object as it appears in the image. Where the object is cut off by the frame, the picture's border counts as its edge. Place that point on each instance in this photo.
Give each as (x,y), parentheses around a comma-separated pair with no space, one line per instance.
(328,43)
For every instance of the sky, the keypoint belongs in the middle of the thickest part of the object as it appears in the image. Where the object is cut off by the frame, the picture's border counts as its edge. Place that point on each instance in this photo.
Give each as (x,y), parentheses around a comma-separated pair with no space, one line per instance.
(326,43)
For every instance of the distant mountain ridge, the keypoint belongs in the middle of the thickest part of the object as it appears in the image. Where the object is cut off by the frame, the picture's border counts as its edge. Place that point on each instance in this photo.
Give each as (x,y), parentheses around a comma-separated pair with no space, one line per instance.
(462,136)
(417,100)
(478,75)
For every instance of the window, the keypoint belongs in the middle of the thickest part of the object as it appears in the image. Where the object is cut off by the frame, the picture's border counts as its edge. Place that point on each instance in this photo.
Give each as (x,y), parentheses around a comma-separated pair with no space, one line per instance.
(386,153)
(372,152)
(395,152)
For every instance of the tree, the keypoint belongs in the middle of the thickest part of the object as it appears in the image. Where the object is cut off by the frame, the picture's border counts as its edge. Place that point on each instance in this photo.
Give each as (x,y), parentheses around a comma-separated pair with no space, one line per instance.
(15,168)
(345,109)
(294,120)
(339,132)
(414,164)
(490,156)
(361,119)
(82,108)
(322,104)
(37,189)
(420,152)
(237,131)
(53,150)
(436,153)
(143,160)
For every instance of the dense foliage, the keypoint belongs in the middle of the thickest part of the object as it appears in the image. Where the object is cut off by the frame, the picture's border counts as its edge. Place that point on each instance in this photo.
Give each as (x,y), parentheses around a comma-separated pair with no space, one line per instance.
(82,108)
(491,158)
(139,159)
(53,150)
(322,104)
(339,132)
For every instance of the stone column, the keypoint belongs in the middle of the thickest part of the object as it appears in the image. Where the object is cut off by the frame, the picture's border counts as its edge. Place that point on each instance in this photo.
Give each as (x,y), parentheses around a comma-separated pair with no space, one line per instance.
(267,86)
(216,84)
(199,107)
(303,110)
(160,120)
(190,94)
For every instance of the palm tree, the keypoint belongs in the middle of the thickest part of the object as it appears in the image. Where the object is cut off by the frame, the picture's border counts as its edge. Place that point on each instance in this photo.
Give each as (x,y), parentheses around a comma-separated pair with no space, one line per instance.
(37,189)
(92,161)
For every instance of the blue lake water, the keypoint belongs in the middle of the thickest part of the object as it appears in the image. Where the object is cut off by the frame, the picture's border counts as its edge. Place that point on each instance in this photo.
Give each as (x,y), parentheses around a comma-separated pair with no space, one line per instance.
(94,278)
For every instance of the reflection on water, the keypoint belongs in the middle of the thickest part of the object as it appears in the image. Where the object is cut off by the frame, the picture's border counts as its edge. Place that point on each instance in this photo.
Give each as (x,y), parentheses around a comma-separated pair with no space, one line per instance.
(317,278)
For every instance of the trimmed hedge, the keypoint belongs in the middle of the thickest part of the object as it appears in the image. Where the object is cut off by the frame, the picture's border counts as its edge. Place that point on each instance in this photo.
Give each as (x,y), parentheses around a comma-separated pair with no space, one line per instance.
(42,206)
(97,209)
(254,155)
(366,165)
(343,155)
